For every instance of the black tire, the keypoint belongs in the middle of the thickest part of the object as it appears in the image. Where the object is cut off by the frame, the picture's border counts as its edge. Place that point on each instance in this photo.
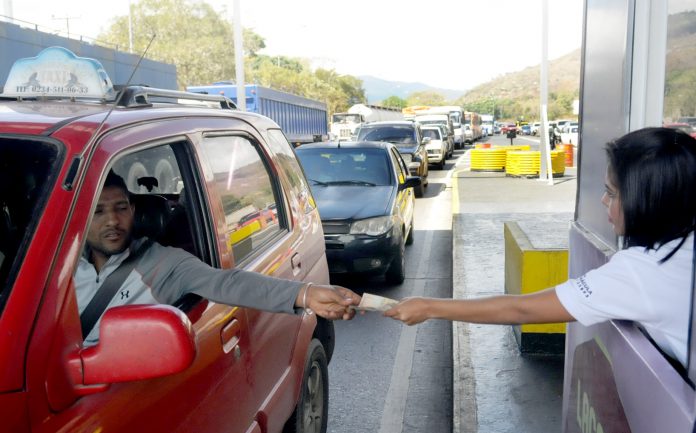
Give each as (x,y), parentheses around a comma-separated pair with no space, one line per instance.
(396,274)
(409,238)
(312,410)
(419,189)
(327,336)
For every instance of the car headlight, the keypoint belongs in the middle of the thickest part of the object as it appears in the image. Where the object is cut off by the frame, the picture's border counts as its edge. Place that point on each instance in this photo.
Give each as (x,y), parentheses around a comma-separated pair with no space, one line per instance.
(372,226)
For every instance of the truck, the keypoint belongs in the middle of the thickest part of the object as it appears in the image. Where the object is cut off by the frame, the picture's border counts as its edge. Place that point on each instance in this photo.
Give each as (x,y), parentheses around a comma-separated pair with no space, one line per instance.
(487,123)
(344,125)
(454,112)
(303,120)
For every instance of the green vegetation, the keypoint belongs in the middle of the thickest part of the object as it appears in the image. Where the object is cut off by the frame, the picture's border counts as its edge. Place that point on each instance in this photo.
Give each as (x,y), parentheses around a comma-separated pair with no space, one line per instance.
(195,38)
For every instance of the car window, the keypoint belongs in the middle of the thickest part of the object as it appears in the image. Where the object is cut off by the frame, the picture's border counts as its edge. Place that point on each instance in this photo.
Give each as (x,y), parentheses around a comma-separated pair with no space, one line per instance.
(248,194)
(397,161)
(154,179)
(291,167)
(392,134)
(27,171)
(431,133)
(346,166)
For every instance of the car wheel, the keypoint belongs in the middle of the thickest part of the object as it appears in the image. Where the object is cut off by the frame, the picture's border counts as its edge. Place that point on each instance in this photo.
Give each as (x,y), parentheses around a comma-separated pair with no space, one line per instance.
(312,410)
(396,274)
(326,334)
(409,238)
(419,191)
(442,164)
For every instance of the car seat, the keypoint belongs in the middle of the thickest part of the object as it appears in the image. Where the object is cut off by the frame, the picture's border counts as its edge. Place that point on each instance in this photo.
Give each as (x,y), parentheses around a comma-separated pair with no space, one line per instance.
(152,213)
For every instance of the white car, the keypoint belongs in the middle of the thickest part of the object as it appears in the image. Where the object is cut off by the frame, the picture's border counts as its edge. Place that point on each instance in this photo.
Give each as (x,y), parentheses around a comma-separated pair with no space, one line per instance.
(569,135)
(436,145)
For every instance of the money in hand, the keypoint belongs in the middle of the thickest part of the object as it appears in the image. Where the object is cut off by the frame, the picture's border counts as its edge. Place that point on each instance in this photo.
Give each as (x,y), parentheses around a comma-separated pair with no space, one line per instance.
(370,302)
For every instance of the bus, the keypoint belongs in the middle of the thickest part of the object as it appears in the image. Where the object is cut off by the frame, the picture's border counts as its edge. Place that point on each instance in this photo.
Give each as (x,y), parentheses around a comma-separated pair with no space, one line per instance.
(615,378)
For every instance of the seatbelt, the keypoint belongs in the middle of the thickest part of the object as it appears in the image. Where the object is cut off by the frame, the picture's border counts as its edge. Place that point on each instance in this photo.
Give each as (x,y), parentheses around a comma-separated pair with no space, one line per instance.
(108,289)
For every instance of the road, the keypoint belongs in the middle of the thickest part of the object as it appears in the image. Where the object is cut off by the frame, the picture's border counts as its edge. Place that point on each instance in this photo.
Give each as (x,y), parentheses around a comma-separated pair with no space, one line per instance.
(387,377)
(390,378)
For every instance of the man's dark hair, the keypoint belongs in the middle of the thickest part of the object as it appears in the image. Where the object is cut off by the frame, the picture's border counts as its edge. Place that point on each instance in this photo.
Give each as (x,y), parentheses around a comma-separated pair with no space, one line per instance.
(114,180)
(654,170)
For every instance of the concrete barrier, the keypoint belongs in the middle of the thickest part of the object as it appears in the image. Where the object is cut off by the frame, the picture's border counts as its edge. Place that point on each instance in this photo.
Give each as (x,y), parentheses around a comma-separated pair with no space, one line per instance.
(527,270)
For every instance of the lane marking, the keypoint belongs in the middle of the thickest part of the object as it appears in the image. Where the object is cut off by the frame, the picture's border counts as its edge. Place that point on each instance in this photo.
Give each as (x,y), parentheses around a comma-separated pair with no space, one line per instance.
(395,402)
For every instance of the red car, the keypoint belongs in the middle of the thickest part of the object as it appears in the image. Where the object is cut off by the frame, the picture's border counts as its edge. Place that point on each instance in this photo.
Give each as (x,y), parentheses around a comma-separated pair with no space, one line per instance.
(507,128)
(196,366)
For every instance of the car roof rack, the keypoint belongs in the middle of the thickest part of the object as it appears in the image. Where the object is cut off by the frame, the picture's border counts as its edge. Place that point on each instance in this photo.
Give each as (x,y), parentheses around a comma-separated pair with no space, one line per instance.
(140,96)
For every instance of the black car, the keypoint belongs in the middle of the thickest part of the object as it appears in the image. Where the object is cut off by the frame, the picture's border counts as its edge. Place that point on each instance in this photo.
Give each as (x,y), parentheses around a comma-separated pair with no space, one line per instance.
(366,201)
(408,139)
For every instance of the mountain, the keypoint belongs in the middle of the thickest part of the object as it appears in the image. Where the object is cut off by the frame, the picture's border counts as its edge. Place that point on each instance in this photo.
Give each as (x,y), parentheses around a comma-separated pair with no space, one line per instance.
(377,89)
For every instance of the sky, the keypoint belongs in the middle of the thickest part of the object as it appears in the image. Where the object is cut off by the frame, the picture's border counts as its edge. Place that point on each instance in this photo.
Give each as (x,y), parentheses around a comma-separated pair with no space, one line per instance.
(452,44)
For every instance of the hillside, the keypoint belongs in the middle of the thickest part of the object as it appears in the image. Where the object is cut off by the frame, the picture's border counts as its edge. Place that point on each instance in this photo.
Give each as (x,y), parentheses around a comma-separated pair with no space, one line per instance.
(377,89)
(516,94)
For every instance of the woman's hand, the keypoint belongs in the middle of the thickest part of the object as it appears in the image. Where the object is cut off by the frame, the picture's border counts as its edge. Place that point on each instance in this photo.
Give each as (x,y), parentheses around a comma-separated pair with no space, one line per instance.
(410,310)
(329,302)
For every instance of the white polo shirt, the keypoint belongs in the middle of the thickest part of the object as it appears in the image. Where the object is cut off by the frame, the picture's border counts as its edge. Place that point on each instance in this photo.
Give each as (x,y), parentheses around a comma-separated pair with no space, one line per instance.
(633,285)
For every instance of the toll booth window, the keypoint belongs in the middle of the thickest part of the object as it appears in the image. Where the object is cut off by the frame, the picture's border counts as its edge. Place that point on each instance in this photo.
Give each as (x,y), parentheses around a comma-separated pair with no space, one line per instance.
(28,169)
(679,110)
(248,194)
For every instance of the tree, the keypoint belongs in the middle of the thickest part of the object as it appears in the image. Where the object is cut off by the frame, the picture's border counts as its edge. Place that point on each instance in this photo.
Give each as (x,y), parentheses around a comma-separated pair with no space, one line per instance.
(426,97)
(192,36)
(394,101)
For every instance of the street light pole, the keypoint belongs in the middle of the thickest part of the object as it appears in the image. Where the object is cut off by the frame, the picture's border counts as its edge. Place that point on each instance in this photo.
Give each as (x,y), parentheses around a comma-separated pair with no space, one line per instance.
(546,170)
(130,27)
(239,55)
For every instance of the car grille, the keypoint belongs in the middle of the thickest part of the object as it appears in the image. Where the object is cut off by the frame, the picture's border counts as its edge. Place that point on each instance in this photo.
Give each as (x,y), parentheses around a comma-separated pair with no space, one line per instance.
(345,132)
(331,228)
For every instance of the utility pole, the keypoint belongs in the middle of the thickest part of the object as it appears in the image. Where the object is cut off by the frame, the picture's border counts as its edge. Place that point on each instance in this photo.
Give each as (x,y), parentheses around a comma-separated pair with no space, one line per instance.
(67,22)
(130,27)
(239,55)
(546,170)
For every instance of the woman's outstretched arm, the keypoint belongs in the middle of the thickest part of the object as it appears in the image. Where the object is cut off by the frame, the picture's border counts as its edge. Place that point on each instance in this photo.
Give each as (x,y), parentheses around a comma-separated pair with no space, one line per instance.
(539,307)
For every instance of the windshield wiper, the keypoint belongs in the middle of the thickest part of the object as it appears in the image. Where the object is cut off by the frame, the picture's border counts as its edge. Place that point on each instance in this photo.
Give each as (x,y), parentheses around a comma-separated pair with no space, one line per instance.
(351,182)
(318,182)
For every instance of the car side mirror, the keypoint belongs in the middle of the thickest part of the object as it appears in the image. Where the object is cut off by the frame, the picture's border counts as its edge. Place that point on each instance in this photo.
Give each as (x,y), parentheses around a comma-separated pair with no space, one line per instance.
(410,182)
(139,342)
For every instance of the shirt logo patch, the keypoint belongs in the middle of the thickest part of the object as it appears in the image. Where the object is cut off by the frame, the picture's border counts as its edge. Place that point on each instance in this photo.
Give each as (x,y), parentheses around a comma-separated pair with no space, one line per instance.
(125,294)
(583,286)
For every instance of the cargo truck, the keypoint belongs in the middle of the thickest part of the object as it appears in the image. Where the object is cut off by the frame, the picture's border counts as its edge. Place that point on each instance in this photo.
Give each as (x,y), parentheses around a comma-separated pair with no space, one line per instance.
(344,125)
(302,120)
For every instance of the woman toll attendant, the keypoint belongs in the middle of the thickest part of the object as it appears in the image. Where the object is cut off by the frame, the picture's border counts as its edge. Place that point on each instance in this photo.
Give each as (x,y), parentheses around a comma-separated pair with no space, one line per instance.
(650,198)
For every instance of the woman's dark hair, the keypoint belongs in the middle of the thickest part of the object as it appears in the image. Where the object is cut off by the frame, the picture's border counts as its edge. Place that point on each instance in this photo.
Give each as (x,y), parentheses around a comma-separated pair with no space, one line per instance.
(655,172)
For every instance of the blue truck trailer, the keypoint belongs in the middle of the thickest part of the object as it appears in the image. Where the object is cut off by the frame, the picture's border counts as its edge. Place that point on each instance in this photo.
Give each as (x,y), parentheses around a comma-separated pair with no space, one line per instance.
(303,120)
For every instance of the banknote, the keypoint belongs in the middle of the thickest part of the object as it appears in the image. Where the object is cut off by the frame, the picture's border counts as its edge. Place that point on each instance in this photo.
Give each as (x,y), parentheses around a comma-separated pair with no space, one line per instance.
(370,302)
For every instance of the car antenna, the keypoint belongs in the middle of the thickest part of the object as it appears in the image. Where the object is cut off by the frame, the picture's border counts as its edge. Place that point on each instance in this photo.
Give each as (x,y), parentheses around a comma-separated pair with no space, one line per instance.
(74,166)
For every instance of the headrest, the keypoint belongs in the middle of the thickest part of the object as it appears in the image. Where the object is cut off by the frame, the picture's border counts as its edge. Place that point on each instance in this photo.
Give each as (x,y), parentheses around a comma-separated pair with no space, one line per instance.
(151,214)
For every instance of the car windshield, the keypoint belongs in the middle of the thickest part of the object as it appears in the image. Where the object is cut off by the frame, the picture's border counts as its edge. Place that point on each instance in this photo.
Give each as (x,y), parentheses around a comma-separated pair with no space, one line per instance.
(355,166)
(346,118)
(399,135)
(432,133)
(27,170)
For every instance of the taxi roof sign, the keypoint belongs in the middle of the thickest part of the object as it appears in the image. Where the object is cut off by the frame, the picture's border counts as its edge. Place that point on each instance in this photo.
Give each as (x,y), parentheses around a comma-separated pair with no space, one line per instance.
(58,72)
